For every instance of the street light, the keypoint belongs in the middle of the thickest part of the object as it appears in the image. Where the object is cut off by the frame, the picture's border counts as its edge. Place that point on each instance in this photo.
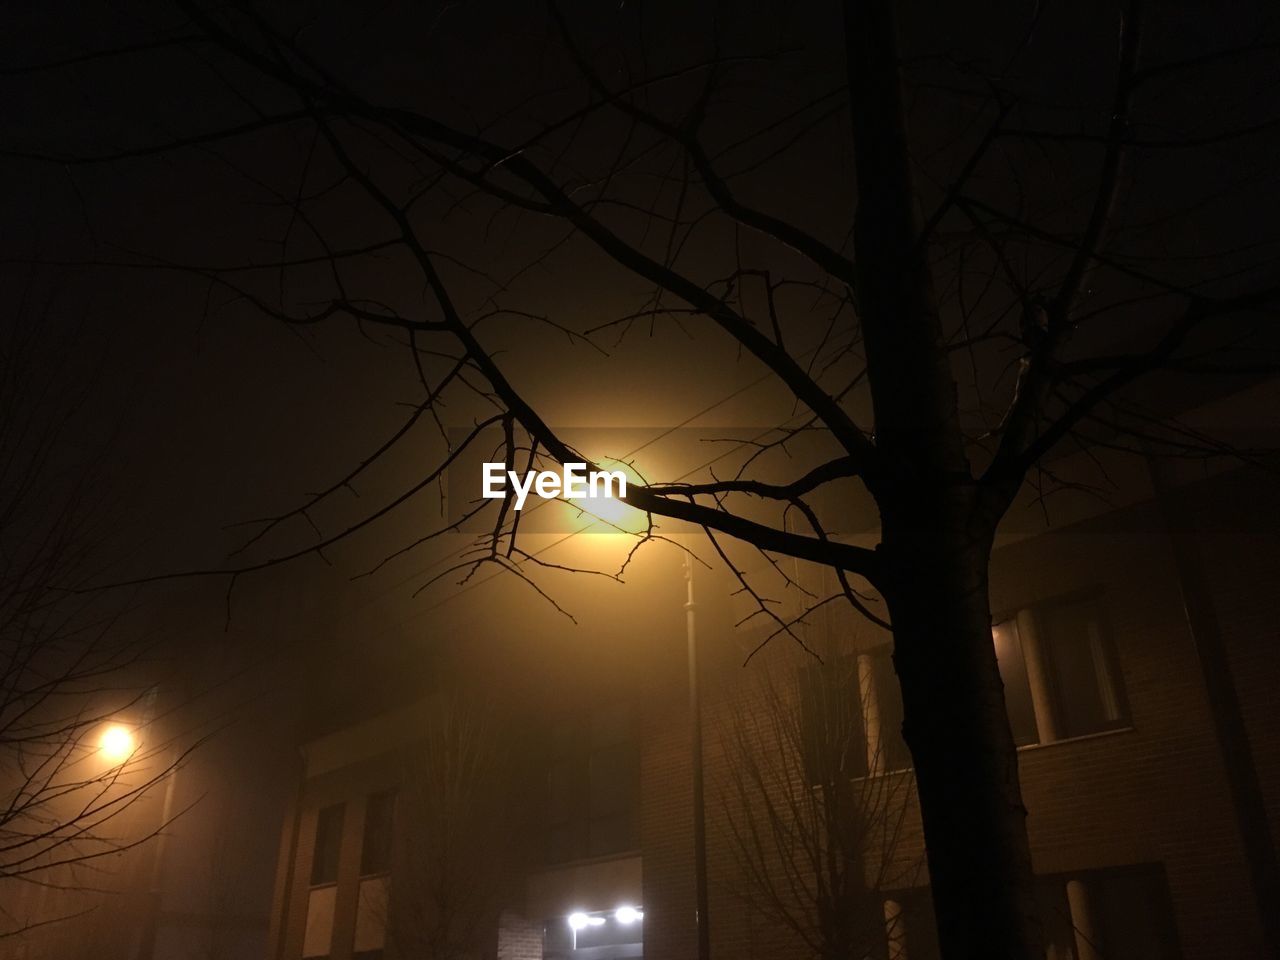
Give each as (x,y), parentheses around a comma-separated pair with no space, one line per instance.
(117,743)
(610,515)
(703,913)
(628,915)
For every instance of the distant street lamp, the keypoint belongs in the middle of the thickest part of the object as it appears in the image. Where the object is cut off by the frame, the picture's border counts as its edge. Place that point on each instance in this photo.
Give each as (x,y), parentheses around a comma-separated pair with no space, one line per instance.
(117,743)
(155,890)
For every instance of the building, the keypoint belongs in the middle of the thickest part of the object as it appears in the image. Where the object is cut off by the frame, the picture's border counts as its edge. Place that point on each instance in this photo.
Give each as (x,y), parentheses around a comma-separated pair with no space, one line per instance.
(1138,643)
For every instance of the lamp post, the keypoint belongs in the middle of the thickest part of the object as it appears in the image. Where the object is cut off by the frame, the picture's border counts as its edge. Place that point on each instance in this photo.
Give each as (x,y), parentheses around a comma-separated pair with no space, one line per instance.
(702,913)
(155,888)
(118,745)
(613,513)
(150,931)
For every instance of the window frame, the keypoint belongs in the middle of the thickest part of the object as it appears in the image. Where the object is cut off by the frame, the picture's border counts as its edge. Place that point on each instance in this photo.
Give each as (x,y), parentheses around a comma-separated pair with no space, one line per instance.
(1040,613)
(881,655)
(341,807)
(390,796)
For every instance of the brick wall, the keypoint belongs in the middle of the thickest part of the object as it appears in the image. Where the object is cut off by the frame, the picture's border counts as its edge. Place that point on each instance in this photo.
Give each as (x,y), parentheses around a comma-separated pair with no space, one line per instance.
(519,938)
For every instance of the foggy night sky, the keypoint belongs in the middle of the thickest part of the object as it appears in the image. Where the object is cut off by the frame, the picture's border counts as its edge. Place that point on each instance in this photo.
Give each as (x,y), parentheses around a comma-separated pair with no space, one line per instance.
(224,417)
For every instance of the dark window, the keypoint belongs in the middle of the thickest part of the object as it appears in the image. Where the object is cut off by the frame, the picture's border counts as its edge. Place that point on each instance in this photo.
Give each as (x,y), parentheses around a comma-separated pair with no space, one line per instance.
(1017,688)
(835,703)
(916,930)
(593,785)
(1129,908)
(1136,914)
(836,699)
(1078,656)
(1055,917)
(831,720)
(324,864)
(379,814)
(562,827)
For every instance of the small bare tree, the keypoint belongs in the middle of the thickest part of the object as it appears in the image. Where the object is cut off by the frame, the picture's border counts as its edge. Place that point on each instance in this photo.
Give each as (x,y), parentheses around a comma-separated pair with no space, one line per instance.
(455,838)
(812,815)
(65,674)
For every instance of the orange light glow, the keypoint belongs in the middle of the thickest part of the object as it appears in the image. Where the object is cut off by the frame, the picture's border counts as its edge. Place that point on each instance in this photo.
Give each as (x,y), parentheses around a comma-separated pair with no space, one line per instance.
(609,514)
(117,743)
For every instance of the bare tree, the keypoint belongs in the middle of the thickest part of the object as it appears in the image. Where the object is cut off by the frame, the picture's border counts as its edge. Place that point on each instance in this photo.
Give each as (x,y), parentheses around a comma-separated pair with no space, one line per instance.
(455,836)
(980,288)
(811,813)
(68,804)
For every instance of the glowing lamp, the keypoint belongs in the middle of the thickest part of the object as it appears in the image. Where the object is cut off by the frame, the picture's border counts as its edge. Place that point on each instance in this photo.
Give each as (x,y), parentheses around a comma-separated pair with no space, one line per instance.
(117,743)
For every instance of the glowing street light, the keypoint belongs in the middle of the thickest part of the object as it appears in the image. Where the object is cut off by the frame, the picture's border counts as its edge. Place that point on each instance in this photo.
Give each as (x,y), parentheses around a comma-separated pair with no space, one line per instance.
(627,915)
(117,743)
(580,921)
(608,513)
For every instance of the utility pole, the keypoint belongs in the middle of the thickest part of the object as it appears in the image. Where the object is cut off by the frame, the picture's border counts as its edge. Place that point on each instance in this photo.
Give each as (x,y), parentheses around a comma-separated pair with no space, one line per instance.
(702,914)
(155,879)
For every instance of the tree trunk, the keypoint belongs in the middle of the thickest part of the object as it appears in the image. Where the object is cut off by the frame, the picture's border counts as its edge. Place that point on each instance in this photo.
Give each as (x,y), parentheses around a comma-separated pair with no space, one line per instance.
(966,764)
(935,538)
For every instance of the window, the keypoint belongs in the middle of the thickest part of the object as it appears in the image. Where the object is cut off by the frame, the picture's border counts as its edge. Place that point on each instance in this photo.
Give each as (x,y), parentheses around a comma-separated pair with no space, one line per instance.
(910,925)
(1135,913)
(317,937)
(593,785)
(851,706)
(1059,671)
(1080,667)
(379,814)
(833,733)
(851,716)
(324,863)
(1125,911)
(372,901)
(1011,660)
